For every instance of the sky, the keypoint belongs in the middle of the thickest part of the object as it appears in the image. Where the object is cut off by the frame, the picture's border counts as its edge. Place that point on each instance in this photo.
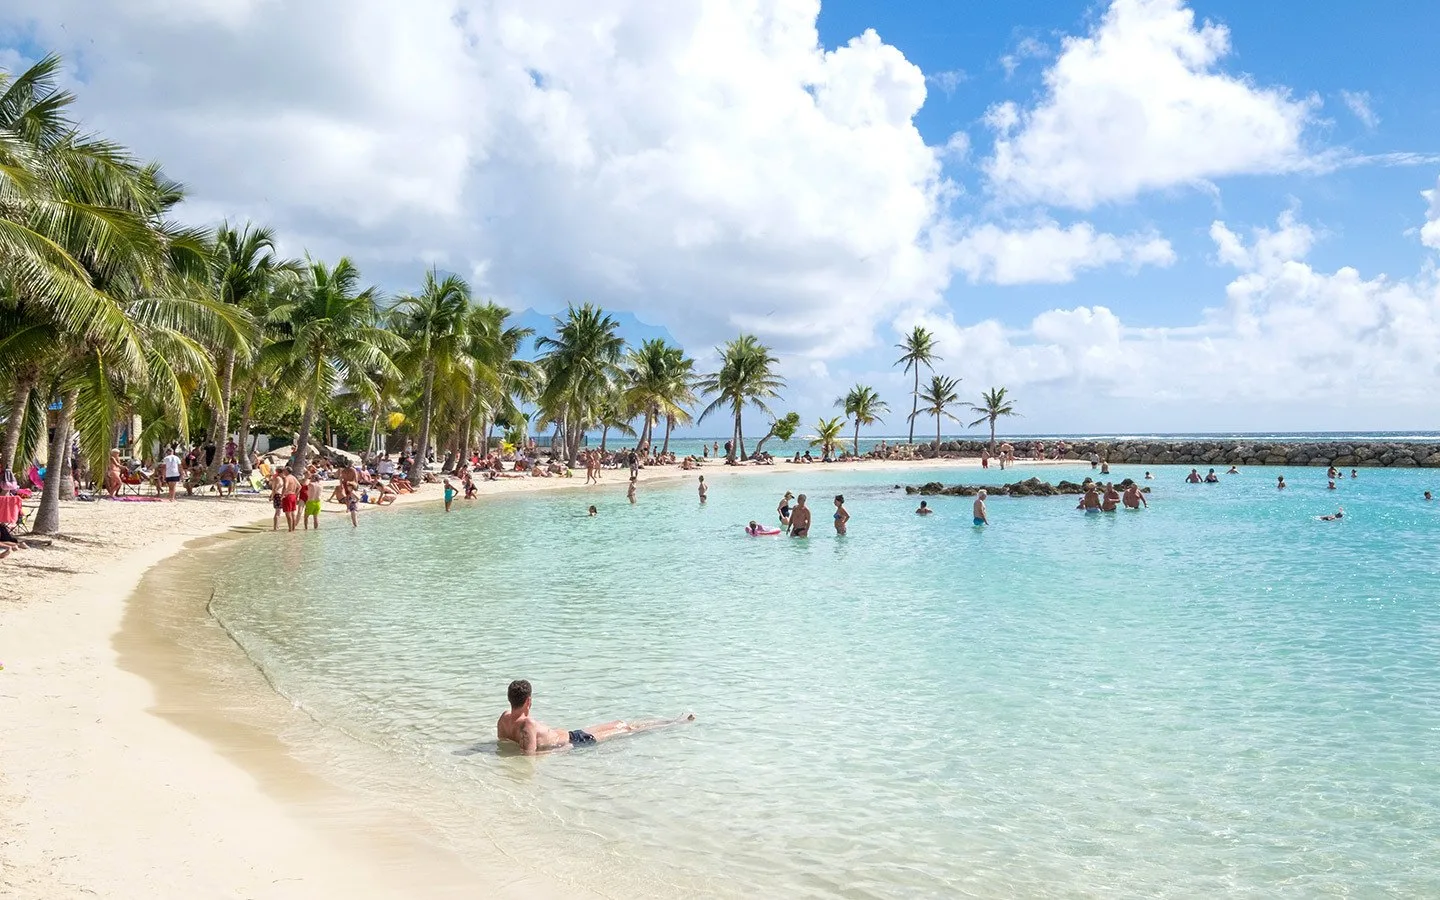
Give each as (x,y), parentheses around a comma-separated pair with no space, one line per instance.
(1135,215)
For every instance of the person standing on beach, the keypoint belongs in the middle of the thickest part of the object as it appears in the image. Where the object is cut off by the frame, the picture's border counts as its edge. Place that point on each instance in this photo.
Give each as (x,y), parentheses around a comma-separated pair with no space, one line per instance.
(350,497)
(630,491)
(800,518)
(172,471)
(290,498)
(704,491)
(979,515)
(277,498)
(312,502)
(842,517)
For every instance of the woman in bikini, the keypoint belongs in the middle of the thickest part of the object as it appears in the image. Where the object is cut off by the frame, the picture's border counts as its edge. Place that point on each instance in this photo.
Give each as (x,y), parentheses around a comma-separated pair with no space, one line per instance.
(841,516)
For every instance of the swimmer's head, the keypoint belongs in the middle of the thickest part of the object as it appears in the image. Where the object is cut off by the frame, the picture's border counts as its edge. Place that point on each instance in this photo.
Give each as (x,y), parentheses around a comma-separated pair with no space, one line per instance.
(519,694)
(923,504)
(982,495)
(839,499)
(593,510)
(1427,496)
(753,526)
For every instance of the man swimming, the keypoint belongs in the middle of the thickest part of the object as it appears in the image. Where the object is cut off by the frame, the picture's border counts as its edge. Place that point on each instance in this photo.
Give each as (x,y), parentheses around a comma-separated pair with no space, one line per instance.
(533,736)
(1333,517)
(1193,477)
(925,509)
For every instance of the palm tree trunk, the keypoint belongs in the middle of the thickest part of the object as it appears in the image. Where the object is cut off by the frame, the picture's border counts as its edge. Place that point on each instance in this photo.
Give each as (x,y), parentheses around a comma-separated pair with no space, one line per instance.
(937,434)
(856,450)
(604,433)
(915,404)
(47,517)
(302,440)
(242,437)
(19,404)
(221,429)
(666,448)
(485,434)
(374,430)
(417,466)
(992,436)
(740,437)
(734,439)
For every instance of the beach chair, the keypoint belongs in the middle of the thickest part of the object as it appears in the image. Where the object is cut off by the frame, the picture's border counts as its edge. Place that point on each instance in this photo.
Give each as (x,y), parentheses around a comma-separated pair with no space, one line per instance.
(130,483)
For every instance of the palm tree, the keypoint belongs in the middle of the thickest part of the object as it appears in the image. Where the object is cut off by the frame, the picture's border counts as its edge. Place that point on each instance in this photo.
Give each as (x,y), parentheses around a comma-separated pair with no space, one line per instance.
(333,331)
(864,406)
(746,375)
(245,267)
(580,363)
(917,349)
(942,392)
(783,427)
(828,434)
(499,377)
(434,324)
(992,406)
(660,386)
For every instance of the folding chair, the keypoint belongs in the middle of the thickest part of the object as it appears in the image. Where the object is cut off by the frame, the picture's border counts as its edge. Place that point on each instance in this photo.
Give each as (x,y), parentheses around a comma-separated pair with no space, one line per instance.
(130,483)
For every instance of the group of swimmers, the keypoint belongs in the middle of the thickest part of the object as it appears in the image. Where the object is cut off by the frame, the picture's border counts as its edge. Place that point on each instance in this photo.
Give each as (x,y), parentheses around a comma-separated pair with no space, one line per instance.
(796,520)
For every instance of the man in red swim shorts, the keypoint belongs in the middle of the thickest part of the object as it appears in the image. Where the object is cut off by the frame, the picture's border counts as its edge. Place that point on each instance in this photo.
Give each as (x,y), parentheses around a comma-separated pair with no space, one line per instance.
(290,499)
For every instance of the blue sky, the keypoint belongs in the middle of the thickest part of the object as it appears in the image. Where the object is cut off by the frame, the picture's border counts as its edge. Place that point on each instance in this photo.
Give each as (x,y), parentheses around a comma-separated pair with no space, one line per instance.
(1135,214)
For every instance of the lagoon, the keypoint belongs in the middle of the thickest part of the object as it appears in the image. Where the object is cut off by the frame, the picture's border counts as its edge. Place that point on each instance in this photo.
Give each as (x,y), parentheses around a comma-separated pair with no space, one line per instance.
(1217,695)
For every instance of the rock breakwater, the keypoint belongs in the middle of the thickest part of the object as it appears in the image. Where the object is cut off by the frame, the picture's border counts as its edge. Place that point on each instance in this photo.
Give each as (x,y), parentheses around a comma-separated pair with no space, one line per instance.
(1030,487)
(1342,454)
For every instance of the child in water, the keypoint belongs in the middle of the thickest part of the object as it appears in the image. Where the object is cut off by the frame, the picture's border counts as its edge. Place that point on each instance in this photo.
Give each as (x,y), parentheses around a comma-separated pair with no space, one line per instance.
(450,493)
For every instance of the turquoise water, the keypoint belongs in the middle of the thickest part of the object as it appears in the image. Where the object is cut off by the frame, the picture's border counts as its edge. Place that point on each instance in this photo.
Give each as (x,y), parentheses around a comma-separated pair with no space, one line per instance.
(1216,696)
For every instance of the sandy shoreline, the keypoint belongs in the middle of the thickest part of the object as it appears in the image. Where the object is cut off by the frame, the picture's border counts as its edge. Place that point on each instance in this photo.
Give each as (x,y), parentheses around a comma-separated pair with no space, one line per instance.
(124,773)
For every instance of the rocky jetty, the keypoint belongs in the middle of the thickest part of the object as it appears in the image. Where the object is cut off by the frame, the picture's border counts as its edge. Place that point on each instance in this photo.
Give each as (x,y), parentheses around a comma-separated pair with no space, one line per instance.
(1030,487)
(1342,454)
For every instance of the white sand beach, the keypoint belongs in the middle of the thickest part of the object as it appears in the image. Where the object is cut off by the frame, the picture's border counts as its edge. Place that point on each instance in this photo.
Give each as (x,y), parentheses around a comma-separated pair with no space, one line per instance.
(108,789)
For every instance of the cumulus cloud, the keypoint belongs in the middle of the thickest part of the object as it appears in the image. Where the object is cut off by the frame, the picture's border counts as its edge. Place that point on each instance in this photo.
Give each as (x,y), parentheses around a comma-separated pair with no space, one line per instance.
(1430,231)
(1140,104)
(948,80)
(1359,104)
(1286,332)
(1049,254)
(710,165)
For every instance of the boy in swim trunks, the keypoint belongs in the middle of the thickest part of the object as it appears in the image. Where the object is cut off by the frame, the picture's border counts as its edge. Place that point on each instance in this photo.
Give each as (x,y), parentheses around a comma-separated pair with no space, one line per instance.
(516,725)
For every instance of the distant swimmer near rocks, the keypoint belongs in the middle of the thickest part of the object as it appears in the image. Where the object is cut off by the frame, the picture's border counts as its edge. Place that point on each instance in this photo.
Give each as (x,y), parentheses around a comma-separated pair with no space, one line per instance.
(535,737)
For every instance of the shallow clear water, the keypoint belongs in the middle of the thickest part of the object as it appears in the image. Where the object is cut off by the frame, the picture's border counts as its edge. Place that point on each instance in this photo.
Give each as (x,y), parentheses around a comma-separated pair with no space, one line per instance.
(1219,695)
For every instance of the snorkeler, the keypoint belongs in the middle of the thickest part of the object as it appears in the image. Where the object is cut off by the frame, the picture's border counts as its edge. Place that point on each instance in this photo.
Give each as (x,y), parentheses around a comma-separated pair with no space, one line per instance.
(516,726)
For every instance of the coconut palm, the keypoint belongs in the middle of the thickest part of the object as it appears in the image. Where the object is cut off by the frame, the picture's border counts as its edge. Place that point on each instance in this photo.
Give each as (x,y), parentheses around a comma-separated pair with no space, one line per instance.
(245,268)
(864,406)
(500,379)
(333,330)
(435,325)
(993,404)
(828,435)
(660,378)
(917,349)
(941,393)
(746,376)
(783,427)
(580,364)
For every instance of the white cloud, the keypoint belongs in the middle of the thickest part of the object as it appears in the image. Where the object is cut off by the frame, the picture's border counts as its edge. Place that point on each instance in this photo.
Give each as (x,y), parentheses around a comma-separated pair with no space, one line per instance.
(1430,231)
(1028,48)
(948,80)
(1286,333)
(1359,104)
(1048,254)
(1139,105)
(705,164)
